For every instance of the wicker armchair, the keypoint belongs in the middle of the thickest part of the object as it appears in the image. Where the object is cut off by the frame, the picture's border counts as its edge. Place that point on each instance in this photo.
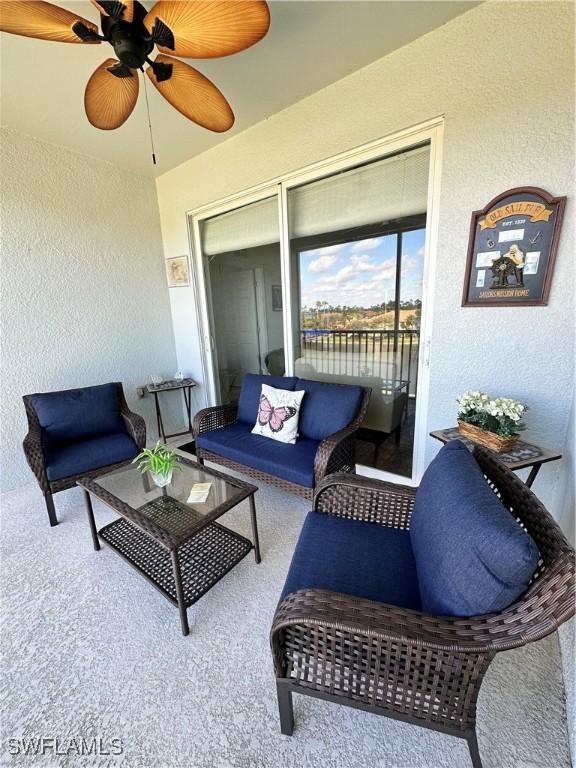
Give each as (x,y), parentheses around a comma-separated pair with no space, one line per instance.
(422,669)
(34,452)
(336,453)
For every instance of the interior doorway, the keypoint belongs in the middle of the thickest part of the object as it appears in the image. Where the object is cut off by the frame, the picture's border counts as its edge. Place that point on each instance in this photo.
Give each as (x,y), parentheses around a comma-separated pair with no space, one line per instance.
(240,324)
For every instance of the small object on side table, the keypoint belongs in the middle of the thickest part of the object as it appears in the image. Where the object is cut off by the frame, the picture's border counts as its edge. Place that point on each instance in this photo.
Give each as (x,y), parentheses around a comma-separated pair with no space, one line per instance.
(186,386)
(493,422)
(486,438)
(521,456)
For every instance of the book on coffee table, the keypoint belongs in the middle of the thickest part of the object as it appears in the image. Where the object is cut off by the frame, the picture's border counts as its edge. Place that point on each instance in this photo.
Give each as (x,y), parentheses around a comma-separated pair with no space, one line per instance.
(199,493)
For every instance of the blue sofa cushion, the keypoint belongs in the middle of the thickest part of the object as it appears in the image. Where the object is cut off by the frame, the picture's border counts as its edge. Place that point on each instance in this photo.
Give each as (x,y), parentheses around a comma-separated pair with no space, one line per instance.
(77,414)
(472,557)
(250,394)
(354,558)
(86,455)
(236,442)
(327,408)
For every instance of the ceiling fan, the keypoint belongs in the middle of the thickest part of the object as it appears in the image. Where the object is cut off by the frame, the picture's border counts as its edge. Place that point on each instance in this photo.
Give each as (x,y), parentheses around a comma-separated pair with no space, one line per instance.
(200,29)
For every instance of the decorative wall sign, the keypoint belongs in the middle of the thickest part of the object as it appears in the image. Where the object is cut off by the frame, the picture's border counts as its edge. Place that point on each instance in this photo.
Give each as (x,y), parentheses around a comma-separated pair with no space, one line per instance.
(512,248)
(277,298)
(177,272)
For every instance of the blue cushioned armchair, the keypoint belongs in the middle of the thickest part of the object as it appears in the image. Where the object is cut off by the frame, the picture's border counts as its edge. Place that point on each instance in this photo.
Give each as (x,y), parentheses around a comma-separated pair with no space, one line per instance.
(397,600)
(79,433)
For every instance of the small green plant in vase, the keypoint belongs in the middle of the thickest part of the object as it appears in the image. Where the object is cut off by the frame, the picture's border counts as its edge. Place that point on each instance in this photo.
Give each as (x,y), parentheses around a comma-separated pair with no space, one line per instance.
(491,421)
(160,461)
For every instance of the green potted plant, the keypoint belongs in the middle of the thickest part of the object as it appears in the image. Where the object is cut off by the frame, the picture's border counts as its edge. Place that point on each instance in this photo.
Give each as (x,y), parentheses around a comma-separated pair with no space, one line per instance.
(491,421)
(160,461)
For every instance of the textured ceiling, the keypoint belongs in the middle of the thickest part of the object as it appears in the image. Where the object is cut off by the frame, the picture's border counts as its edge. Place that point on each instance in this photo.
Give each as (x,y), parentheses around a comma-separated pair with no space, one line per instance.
(310,45)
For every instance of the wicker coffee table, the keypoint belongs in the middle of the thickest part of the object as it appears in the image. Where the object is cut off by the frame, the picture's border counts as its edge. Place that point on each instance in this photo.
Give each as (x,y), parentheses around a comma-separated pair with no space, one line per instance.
(178,547)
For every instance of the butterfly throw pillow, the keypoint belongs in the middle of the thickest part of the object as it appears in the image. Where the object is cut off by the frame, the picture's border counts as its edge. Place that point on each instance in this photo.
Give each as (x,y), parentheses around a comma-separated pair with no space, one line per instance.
(278,413)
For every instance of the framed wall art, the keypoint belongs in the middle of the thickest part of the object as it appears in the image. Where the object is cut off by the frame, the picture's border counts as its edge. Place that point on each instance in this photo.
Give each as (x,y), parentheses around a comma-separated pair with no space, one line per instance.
(277,298)
(177,272)
(512,248)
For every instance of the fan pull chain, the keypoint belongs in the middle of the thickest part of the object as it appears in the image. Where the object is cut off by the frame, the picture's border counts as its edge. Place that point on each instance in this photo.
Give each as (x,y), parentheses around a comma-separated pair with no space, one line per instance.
(149,121)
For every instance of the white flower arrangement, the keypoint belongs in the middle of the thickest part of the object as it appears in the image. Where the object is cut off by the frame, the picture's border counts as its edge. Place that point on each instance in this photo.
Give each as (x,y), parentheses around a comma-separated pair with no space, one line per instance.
(500,415)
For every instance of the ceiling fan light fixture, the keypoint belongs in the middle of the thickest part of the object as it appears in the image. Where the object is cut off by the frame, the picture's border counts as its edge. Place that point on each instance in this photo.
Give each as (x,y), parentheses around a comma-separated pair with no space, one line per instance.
(189,28)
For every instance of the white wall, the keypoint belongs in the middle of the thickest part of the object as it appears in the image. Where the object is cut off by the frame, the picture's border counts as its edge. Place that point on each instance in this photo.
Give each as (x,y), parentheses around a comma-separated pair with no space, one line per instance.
(83,293)
(503,76)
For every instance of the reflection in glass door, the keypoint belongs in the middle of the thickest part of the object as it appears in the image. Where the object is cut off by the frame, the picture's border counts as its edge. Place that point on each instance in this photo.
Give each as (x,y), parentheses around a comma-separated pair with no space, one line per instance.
(356,264)
(242,275)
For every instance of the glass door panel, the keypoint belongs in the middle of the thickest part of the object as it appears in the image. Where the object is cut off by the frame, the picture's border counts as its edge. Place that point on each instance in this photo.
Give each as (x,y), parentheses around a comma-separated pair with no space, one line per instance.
(242,274)
(356,264)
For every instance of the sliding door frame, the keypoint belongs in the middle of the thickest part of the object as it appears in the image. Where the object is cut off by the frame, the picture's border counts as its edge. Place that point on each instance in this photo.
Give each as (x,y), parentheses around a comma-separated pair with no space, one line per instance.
(203,304)
(430,132)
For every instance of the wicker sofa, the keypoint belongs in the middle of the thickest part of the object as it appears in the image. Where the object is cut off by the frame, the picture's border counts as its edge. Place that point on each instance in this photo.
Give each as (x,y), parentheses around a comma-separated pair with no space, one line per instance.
(329,418)
(79,433)
(334,638)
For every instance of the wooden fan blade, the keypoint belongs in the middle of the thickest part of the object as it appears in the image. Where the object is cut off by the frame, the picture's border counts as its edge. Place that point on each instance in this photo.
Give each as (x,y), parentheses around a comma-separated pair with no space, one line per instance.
(206,29)
(110,95)
(32,18)
(192,94)
(117,9)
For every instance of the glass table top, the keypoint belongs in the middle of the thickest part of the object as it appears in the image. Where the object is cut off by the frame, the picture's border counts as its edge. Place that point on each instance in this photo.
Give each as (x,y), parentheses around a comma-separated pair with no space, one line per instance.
(169,507)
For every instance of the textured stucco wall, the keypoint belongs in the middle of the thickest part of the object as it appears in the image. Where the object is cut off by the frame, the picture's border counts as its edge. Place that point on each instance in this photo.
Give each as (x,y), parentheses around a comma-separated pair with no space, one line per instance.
(83,288)
(503,76)
(567,633)
(567,637)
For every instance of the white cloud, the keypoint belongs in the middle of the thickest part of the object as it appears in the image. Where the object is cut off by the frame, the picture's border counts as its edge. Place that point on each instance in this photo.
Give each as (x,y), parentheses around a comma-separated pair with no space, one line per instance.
(366,245)
(343,274)
(386,272)
(421,252)
(323,263)
(363,263)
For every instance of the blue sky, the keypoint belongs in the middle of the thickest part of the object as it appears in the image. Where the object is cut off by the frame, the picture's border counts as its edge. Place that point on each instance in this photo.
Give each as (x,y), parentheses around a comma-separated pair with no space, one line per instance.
(362,273)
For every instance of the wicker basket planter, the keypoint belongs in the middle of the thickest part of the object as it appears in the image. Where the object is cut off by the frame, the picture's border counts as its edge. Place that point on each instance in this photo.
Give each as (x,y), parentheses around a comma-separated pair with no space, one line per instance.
(489,439)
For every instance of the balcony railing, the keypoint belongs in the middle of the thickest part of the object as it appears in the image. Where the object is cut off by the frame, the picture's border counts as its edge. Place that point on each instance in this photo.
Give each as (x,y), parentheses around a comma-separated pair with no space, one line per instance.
(388,355)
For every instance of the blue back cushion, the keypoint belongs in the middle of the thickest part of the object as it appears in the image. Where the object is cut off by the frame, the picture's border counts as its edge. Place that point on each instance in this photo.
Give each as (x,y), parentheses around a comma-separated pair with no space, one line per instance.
(472,557)
(327,408)
(77,414)
(250,393)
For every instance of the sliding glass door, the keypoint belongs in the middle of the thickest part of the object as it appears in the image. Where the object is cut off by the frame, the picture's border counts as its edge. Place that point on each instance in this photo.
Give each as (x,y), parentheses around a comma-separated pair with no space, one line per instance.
(241,266)
(322,275)
(356,266)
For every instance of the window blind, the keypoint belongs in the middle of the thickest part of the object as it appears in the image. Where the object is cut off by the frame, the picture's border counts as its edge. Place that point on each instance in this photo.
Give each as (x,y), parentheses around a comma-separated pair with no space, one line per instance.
(246,227)
(380,191)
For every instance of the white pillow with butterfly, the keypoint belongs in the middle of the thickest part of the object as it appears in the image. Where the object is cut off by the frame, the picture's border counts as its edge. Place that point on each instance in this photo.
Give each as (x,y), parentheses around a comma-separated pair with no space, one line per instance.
(278,414)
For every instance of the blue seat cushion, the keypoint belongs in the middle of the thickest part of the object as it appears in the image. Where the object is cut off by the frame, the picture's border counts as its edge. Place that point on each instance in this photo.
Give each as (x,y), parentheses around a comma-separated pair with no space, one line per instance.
(86,455)
(77,414)
(327,408)
(236,442)
(354,558)
(250,394)
(472,557)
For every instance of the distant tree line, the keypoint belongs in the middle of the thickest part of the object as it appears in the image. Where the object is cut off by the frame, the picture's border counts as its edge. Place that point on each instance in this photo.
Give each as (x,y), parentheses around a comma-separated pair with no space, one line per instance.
(377,317)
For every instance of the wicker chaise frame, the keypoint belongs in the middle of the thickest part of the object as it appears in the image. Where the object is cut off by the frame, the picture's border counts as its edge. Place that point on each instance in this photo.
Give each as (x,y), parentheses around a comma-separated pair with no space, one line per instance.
(135,426)
(335,454)
(422,669)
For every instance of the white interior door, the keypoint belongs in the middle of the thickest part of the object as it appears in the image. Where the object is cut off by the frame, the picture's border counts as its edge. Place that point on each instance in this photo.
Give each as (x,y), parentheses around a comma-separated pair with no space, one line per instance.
(239,338)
